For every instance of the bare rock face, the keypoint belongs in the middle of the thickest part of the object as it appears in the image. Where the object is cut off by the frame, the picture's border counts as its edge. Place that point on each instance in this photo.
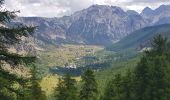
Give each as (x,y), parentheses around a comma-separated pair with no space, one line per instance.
(158,16)
(103,25)
(98,24)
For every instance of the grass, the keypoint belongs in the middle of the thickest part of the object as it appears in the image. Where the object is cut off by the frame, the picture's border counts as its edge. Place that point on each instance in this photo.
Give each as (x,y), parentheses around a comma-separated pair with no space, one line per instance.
(49,83)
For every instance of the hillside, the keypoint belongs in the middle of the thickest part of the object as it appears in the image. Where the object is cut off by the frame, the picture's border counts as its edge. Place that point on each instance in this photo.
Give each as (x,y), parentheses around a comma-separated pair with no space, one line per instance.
(141,38)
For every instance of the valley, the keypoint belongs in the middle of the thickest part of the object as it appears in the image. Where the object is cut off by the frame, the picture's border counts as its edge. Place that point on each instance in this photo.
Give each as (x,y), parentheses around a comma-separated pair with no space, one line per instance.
(104,54)
(66,54)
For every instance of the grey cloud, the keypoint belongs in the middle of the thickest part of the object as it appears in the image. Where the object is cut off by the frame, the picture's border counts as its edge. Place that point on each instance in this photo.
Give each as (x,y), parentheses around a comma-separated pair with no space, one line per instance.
(51,8)
(149,1)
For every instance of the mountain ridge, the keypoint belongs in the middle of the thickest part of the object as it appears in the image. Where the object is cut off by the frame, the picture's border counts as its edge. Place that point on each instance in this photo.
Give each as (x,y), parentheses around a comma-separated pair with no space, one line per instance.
(98,24)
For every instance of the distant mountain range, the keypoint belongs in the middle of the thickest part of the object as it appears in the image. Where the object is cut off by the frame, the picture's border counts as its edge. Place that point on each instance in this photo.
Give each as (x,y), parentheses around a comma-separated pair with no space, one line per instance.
(98,24)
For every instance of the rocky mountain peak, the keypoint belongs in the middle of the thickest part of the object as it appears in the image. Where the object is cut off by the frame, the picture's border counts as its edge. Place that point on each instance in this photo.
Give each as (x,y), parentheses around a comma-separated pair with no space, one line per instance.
(147,10)
(160,15)
(163,7)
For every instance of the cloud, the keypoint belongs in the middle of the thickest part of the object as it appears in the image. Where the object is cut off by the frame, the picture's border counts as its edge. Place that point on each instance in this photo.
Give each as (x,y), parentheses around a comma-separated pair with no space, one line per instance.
(58,8)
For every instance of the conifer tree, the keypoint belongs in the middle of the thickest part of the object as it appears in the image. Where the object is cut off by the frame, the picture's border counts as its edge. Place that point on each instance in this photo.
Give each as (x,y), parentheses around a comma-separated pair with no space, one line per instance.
(10,35)
(159,45)
(114,88)
(32,89)
(89,89)
(120,87)
(66,89)
(71,89)
(36,91)
(141,78)
(60,90)
(127,86)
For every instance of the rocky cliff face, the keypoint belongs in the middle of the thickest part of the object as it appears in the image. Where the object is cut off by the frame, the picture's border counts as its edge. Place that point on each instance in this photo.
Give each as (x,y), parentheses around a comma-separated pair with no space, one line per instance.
(98,24)
(103,25)
(158,16)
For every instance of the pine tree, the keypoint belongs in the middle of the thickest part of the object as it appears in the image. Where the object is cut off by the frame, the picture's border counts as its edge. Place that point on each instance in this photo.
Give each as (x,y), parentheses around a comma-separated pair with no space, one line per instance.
(127,86)
(60,90)
(70,87)
(66,89)
(109,92)
(159,45)
(89,87)
(32,89)
(36,91)
(10,36)
(141,78)
(114,89)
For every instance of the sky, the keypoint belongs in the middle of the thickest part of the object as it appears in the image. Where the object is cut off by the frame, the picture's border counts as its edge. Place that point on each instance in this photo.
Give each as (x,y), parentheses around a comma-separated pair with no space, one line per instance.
(59,8)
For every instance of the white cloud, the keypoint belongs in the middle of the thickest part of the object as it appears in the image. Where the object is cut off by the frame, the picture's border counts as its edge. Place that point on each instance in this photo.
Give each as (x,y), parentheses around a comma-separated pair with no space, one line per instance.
(57,8)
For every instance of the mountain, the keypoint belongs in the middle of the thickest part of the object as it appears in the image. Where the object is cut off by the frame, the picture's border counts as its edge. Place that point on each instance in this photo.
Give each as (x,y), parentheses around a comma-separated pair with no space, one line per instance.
(141,38)
(103,24)
(98,24)
(158,16)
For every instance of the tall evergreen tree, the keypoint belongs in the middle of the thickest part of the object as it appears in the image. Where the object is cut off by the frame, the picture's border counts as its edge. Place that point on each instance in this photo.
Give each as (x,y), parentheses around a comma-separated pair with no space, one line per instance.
(141,78)
(60,90)
(66,89)
(127,86)
(120,87)
(36,91)
(10,36)
(114,88)
(159,45)
(32,89)
(89,89)
(70,87)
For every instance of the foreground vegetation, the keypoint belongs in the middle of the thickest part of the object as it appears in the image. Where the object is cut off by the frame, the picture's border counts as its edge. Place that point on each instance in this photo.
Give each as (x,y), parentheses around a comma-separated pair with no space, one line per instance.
(13,86)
